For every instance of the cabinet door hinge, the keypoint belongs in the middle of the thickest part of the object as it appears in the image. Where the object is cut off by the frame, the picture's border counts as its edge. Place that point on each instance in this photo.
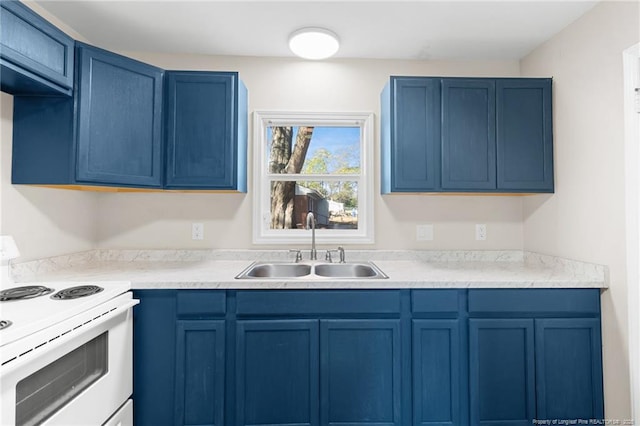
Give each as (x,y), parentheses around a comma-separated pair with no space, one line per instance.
(637,99)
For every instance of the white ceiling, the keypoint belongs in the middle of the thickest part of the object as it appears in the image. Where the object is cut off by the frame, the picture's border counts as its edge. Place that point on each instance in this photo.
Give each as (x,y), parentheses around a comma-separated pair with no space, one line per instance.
(367,29)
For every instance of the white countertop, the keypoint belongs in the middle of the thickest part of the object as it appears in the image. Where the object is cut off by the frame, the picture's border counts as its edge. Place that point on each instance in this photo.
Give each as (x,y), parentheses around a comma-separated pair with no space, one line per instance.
(216,269)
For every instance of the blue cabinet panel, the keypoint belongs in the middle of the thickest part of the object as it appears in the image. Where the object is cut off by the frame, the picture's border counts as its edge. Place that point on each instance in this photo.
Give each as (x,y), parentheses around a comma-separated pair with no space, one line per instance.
(36,58)
(204,145)
(200,304)
(436,373)
(525,136)
(502,372)
(411,145)
(318,302)
(200,373)
(154,348)
(468,134)
(360,372)
(277,372)
(539,302)
(569,369)
(119,119)
(436,301)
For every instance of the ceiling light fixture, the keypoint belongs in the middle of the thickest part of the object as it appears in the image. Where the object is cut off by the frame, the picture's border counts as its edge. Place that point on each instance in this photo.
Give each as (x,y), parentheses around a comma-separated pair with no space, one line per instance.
(314,43)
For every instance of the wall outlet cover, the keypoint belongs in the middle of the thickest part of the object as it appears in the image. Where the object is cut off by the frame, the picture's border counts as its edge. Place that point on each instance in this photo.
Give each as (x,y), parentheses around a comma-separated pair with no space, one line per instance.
(424,232)
(481,232)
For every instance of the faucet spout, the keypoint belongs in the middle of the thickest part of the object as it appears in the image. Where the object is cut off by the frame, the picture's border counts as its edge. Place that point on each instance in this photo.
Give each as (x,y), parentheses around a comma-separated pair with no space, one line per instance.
(311,224)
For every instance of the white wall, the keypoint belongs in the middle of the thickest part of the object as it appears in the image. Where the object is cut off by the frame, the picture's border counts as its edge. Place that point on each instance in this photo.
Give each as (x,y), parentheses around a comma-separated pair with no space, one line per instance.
(44,222)
(585,218)
(164,220)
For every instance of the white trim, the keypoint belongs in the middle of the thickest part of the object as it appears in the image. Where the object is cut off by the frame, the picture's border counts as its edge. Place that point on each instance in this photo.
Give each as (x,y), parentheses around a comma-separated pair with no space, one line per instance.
(631,63)
(261,232)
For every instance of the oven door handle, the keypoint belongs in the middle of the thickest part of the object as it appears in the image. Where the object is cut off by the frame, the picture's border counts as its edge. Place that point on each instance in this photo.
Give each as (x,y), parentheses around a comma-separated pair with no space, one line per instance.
(68,330)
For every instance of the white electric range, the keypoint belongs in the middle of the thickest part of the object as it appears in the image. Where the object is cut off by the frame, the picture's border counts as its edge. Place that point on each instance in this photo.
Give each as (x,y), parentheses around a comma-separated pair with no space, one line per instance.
(66,353)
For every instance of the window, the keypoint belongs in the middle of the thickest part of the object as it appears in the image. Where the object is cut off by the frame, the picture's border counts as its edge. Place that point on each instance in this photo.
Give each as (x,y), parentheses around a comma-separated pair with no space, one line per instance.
(313,162)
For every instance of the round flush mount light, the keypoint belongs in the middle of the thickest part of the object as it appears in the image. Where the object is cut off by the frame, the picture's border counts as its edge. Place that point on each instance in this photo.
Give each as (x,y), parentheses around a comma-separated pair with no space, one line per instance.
(313,43)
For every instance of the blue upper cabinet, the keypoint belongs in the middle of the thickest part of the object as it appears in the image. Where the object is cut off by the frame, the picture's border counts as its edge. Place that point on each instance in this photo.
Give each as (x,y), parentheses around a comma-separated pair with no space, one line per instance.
(35,57)
(108,134)
(410,135)
(467,135)
(206,131)
(525,135)
(111,133)
(119,120)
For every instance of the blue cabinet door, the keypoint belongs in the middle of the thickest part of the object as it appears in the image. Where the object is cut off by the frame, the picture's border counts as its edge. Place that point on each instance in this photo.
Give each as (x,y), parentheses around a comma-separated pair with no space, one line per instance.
(154,362)
(200,373)
(119,120)
(436,373)
(205,130)
(468,134)
(411,140)
(277,373)
(502,372)
(360,372)
(36,58)
(524,135)
(569,369)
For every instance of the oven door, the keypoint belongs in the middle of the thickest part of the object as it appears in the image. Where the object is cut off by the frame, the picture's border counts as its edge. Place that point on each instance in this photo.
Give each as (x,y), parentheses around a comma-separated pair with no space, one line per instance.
(80,376)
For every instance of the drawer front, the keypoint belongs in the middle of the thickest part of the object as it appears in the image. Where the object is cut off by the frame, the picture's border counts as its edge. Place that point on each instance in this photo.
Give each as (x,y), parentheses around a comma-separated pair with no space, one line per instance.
(33,44)
(201,303)
(435,301)
(328,302)
(533,302)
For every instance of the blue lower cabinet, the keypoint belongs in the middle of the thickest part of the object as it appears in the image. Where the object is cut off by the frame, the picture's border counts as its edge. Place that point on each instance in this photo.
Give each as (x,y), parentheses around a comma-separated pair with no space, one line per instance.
(360,364)
(179,358)
(200,372)
(569,369)
(354,358)
(436,374)
(154,348)
(277,373)
(502,372)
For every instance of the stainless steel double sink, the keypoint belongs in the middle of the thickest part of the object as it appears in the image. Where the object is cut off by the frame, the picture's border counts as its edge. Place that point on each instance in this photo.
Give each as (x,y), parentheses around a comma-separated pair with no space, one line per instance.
(313,270)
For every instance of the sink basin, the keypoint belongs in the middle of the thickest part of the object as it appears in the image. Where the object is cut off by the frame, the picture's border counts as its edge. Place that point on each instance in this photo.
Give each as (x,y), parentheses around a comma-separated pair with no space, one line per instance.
(309,271)
(278,270)
(348,270)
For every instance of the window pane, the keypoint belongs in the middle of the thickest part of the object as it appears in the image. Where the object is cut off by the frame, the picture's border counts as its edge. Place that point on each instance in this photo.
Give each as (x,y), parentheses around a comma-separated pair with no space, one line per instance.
(313,150)
(334,204)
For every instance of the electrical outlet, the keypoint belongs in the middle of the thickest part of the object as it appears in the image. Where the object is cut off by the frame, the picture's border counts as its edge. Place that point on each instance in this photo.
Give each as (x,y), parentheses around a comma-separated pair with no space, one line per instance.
(424,232)
(197,231)
(481,232)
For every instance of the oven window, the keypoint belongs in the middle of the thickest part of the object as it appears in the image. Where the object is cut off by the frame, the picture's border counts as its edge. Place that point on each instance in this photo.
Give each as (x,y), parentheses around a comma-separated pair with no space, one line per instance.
(47,390)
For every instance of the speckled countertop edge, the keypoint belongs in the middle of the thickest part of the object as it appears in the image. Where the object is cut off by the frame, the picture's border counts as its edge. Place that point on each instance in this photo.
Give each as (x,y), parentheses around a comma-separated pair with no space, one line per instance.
(216,269)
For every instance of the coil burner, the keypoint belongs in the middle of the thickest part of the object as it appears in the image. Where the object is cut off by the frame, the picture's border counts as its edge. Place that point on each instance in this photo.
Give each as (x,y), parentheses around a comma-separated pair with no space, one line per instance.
(26,292)
(76,292)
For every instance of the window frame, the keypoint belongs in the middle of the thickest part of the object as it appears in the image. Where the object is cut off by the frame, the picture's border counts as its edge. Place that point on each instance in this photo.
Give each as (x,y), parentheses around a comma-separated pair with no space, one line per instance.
(262,234)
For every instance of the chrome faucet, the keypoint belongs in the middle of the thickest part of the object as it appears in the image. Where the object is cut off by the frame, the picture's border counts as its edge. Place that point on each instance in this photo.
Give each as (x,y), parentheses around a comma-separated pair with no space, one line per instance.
(311,223)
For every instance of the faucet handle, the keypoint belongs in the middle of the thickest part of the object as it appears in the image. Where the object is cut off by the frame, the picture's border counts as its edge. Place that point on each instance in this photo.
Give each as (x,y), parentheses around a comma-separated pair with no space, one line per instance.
(327,257)
(341,251)
(298,255)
